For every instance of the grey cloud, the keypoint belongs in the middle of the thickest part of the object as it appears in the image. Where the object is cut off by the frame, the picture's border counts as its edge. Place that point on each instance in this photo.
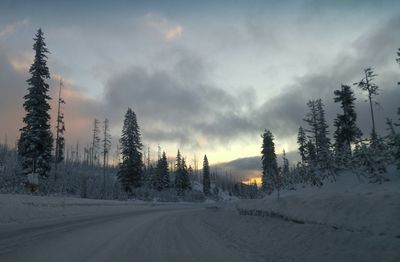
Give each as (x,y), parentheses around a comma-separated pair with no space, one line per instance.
(171,109)
(283,113)
(178,103)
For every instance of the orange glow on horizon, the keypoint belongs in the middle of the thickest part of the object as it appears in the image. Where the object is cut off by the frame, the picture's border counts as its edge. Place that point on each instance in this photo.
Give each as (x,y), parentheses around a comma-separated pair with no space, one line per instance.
(251,181)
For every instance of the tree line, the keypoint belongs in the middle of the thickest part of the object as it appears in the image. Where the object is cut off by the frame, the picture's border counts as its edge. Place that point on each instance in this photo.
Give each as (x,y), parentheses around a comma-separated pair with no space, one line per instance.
(35,145)
(322,159)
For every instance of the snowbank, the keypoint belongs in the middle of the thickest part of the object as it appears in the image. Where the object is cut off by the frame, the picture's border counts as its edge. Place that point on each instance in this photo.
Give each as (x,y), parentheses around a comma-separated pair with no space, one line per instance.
(348,204)
(26,208)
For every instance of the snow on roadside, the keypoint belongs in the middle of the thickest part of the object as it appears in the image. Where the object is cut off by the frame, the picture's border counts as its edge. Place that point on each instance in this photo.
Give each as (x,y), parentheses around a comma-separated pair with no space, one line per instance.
(347,204)
(18,209)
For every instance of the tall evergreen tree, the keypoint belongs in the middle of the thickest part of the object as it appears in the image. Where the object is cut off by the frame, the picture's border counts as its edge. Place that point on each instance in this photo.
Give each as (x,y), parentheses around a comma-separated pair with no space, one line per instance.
(312,120)
(60,129)
(398,60)
(346,131)
(367,84)
(162,175)
(185,172)
(106,142)
(131,166)
(36,140)
(285,169)
(178,162)
(182,181)
(94,158)
(269,163)
(324,141)
(286,176)
(318,129)
(166,180)
(302,142)
(206,177)
(106,149)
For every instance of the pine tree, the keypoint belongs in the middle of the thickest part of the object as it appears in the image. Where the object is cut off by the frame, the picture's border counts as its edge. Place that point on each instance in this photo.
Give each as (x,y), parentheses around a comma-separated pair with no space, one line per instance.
(318,131)
(106,149)
(94,159)
(178,161)
(367,84)
(162,176)
(185,172)
(322,148)
(346,131)
(36,140)
(106,142)
(398,61)
(60,129)
(312,120)
(285,166)
(269,163)
(302,141)
(206,177)
(131,166)
(182,181)
(164,166)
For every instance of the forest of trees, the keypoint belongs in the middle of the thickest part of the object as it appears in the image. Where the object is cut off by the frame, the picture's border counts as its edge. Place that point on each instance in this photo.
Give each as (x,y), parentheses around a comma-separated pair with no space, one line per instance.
(40,162)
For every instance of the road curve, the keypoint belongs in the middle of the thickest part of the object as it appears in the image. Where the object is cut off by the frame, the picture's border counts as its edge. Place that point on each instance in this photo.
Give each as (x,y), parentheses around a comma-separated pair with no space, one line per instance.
(152,234)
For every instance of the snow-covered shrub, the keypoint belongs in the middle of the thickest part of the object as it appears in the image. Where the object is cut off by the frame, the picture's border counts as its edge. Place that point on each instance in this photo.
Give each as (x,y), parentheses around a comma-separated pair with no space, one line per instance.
(370,159)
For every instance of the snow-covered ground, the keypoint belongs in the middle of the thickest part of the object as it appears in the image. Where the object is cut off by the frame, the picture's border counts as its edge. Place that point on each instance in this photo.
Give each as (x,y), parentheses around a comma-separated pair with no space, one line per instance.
(349,204)
(344,221)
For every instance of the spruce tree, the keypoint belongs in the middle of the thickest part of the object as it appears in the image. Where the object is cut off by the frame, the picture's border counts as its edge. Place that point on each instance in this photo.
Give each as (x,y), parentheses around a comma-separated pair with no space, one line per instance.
(162,176)
(106,149)
(206,177)
(179,184)
(324,143)
(398,61)
(131,166)
(60,129)
(269,163)
(285,166)
(94,158)
(185,174)
(106,141)
(312,120)
(178,160)
(164,167)
(302,142)
(36,140)
(182,181)
(318,130)
(346,131)
(367,84)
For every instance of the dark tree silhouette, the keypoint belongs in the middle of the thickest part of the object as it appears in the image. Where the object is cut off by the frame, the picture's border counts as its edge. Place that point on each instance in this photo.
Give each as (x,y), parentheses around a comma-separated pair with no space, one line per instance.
(36,140)
(131,166)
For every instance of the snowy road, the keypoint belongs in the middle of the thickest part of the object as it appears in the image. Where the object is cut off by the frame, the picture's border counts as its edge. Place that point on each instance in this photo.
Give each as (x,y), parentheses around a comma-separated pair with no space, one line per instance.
(196,232)
(149,234)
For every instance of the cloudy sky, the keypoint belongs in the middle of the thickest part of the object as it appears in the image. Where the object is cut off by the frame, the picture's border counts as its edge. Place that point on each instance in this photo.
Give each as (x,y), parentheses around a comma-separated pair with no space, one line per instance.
(203,76)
